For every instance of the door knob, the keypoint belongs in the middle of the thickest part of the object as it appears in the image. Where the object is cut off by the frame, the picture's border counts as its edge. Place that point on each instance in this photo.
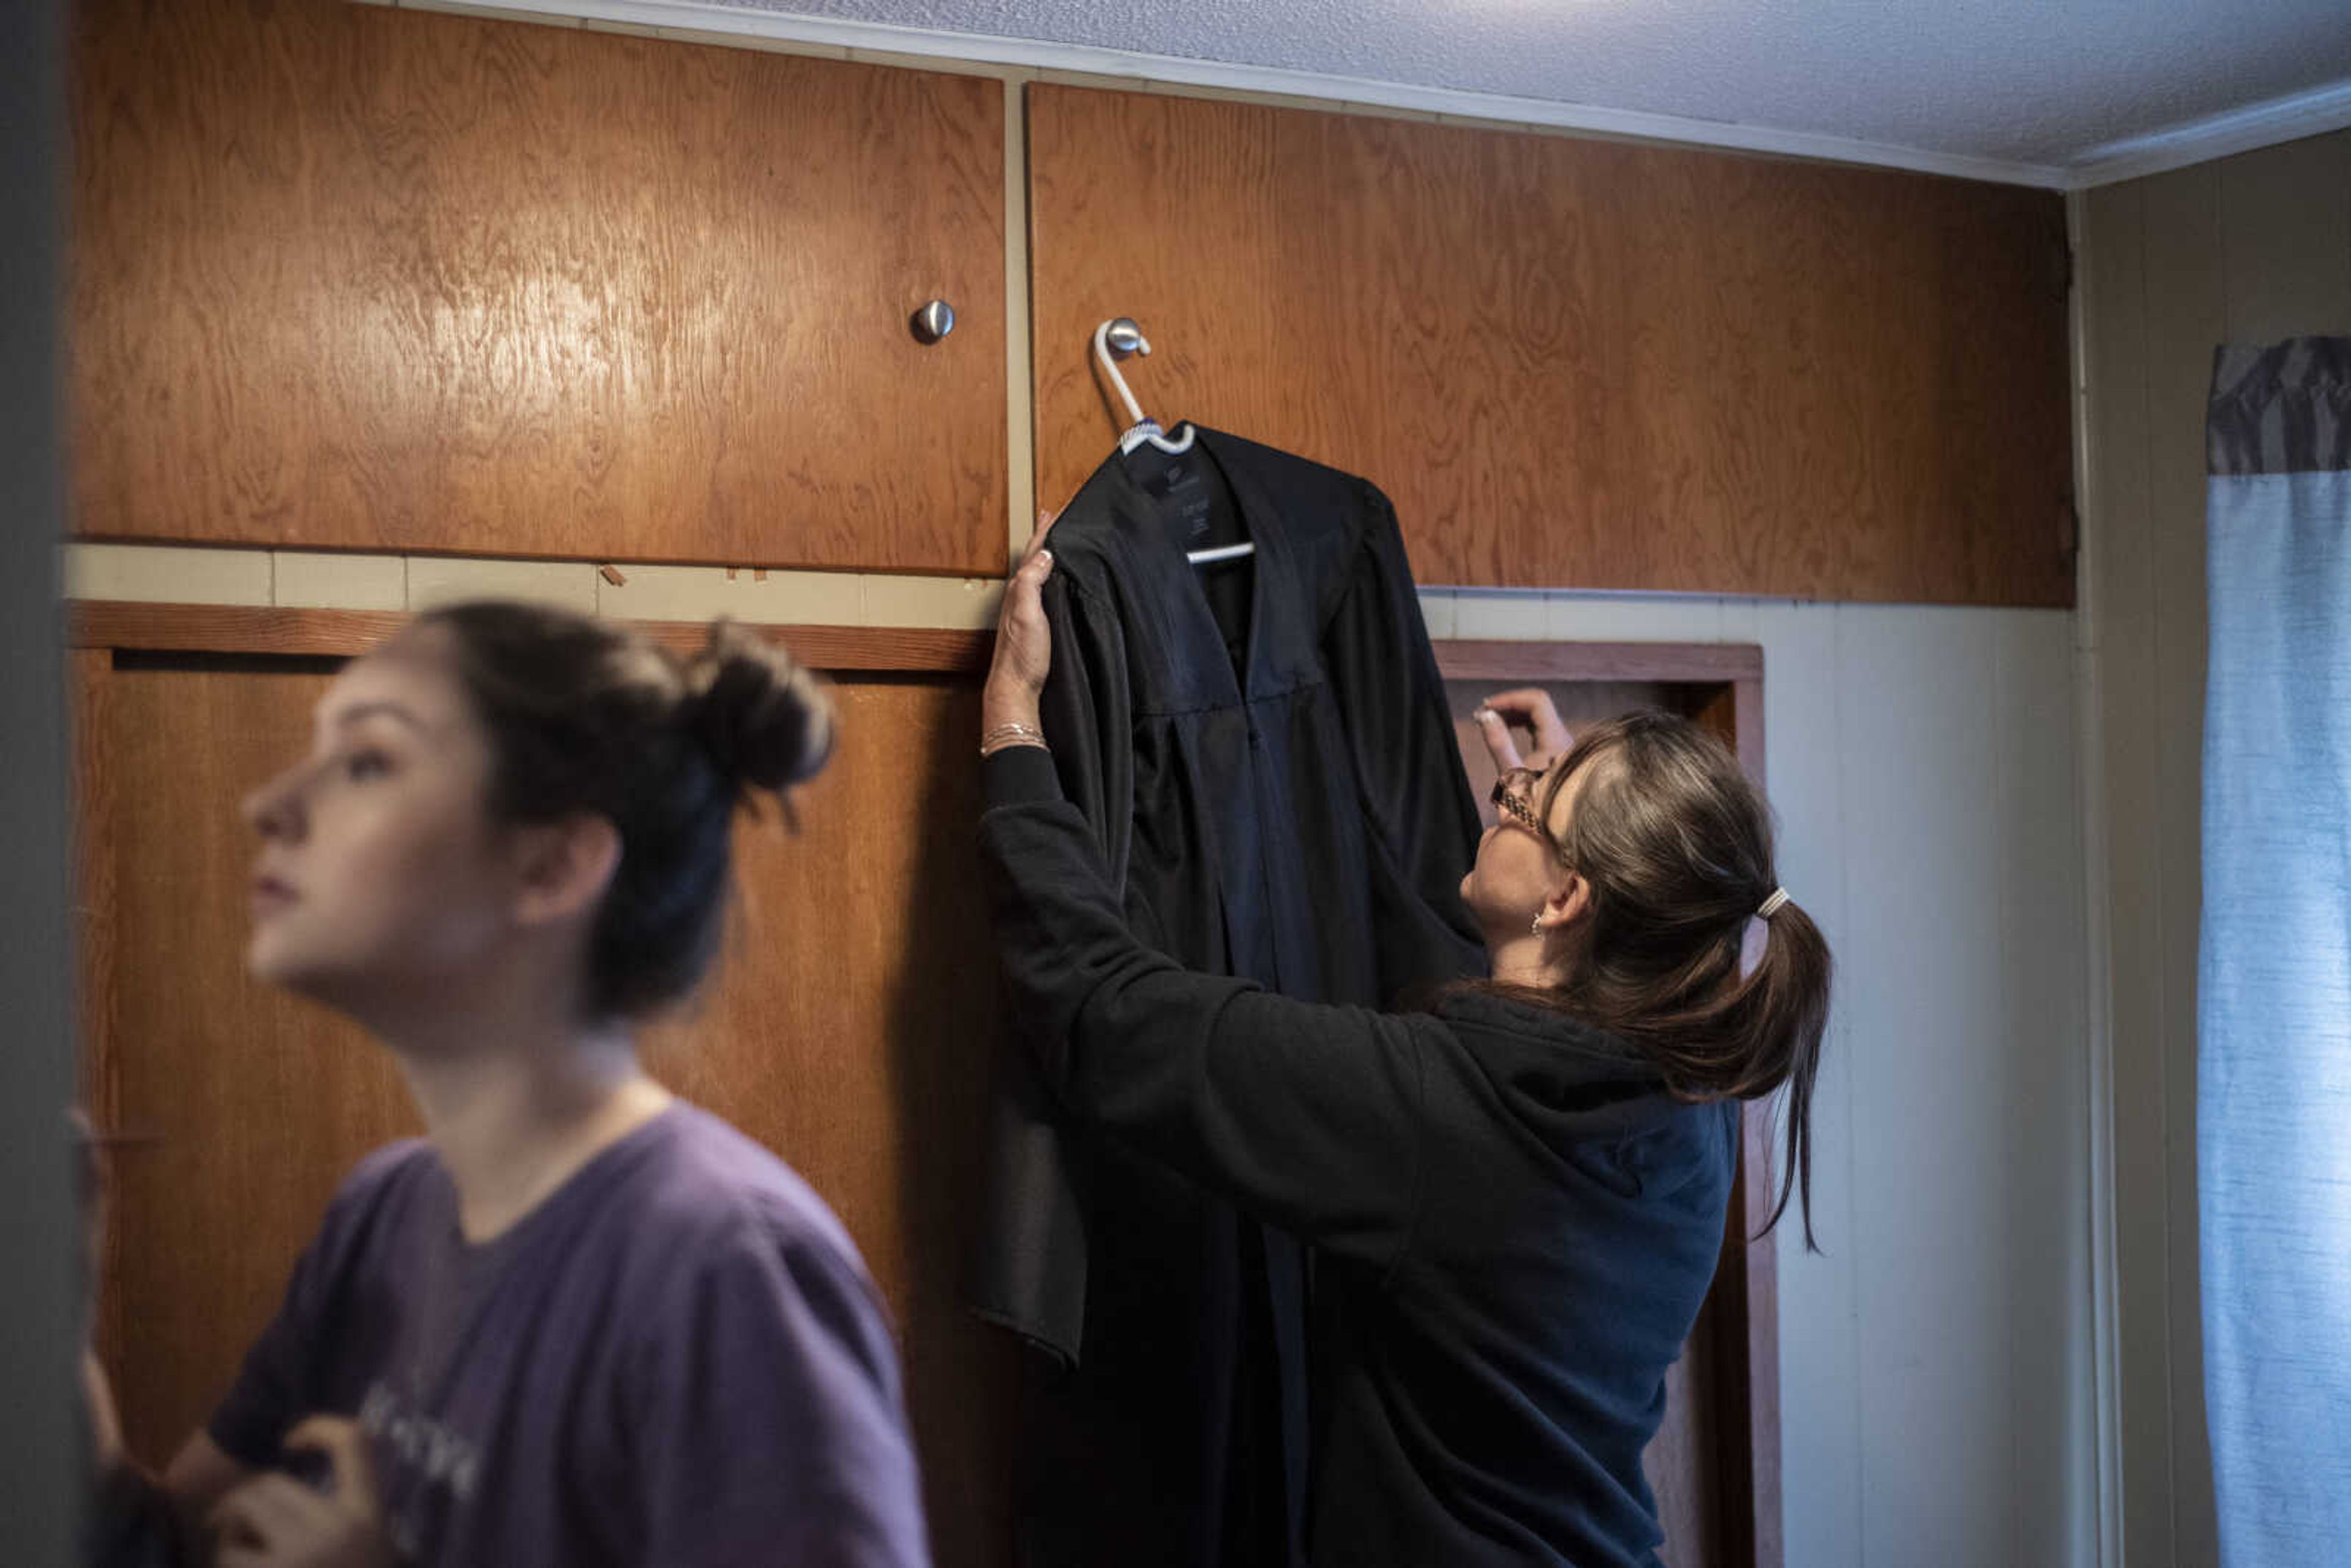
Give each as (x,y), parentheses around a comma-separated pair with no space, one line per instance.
(934,321)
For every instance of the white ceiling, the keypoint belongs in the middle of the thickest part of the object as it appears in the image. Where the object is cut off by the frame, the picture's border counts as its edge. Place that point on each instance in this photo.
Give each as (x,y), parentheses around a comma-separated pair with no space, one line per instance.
(2052,85)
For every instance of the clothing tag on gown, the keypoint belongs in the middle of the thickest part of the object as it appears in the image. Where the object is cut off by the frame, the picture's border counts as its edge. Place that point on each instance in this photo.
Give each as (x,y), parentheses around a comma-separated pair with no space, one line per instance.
(1183,487)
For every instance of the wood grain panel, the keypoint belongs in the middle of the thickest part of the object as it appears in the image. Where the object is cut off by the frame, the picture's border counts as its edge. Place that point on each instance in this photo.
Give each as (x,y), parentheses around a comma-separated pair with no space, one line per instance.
(256,1105)
(1574,363)
(840,1029)
(347,275)
(258,629)
(1585,665)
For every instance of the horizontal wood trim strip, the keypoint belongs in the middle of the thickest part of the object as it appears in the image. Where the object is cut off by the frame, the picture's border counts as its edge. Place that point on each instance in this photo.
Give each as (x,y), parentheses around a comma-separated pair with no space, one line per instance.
(1473,660)
(226,627)
(260,628)
(255,629)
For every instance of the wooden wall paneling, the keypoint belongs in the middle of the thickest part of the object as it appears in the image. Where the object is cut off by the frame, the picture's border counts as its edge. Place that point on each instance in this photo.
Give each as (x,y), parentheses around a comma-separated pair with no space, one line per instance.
(255,629)
(2044,1081)
(1921,827)
(351,276)
(90,690)
(90,676)
(251,1106)
(1572,362)
(2250,248)
(2284,239)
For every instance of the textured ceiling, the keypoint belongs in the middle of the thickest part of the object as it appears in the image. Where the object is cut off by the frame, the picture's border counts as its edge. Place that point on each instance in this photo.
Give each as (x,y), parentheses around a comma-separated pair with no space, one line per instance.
(2030,82)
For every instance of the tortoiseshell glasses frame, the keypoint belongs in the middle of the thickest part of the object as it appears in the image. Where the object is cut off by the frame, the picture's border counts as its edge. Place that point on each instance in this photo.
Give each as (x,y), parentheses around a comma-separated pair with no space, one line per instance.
(1514,797)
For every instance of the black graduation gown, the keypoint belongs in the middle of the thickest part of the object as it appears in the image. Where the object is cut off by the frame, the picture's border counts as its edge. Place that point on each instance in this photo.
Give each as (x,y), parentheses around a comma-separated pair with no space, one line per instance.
(1265,753)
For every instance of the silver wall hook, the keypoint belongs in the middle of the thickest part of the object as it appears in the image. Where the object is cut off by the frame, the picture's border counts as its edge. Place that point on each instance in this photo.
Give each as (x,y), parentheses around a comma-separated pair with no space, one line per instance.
(934,321)
(1115,340)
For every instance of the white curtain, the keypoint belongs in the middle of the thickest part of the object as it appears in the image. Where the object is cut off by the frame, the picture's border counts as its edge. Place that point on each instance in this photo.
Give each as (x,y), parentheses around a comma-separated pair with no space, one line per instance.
(2274,1068)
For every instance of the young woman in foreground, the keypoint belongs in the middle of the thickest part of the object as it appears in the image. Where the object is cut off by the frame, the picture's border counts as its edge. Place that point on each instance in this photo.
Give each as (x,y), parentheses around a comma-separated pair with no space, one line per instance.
(580,1323)
(1516,1198)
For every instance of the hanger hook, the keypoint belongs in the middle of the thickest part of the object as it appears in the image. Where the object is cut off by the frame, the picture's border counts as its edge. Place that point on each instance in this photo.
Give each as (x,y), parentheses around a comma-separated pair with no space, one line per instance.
(1113,341)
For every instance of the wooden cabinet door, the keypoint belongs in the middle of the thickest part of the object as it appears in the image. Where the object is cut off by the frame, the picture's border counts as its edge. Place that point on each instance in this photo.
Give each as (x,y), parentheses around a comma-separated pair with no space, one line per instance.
(1574,362)
(357,276)
(841,1031)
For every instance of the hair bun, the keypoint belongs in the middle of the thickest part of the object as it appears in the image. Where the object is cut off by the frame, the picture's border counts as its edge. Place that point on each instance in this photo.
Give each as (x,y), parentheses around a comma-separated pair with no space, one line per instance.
(765,720)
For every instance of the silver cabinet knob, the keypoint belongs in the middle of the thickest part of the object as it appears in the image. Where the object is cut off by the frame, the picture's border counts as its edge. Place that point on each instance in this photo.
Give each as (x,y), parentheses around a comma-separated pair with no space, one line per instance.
(934,321)
(1125,337)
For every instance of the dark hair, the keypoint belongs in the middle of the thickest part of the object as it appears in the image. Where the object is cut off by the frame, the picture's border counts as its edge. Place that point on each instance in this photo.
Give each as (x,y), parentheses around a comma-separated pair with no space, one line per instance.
(584,716)
(1676,843)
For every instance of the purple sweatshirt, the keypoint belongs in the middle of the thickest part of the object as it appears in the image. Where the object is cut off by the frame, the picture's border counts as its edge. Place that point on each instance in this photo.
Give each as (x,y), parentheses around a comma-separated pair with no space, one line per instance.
(675,1361)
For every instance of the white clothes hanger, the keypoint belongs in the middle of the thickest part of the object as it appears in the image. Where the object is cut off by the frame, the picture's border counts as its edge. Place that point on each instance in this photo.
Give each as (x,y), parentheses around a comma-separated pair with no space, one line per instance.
(1113,339)
(1121,337)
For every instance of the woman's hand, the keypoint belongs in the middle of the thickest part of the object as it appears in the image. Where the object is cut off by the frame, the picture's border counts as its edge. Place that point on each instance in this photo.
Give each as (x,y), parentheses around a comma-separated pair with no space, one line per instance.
(1024,642)
(275,1522)
(1529,708)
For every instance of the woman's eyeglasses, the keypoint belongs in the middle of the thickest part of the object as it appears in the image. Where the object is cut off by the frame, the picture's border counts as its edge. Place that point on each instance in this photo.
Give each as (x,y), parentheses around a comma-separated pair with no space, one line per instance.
(1514,797)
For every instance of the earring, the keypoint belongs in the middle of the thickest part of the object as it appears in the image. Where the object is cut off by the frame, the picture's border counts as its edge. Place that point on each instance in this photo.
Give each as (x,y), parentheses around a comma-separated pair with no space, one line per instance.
(1536,929)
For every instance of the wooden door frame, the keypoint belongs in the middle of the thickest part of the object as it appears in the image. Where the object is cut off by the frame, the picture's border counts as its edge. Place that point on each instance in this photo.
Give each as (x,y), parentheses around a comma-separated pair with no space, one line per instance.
(1747,1318)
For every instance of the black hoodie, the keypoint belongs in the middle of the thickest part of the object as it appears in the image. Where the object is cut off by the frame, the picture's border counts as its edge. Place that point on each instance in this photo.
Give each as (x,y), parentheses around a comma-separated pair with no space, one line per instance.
(1513,1223)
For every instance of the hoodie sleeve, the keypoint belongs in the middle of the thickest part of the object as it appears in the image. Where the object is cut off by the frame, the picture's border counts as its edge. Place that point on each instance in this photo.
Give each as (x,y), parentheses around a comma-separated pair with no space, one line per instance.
(1308,1117)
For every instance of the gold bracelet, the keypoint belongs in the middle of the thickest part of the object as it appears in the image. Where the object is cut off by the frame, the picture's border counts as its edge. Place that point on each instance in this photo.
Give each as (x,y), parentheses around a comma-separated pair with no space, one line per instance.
(1015,734)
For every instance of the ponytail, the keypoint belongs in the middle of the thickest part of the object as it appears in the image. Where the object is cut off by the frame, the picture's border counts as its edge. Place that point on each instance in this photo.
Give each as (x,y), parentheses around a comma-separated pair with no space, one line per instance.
(1779,1015)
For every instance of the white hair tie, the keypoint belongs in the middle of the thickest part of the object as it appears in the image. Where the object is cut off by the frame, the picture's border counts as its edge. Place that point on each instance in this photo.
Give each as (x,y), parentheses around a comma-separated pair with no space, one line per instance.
(1771,904)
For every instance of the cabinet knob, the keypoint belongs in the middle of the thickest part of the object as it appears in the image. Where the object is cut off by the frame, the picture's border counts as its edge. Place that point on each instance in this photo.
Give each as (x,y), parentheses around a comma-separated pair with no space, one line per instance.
(934,321)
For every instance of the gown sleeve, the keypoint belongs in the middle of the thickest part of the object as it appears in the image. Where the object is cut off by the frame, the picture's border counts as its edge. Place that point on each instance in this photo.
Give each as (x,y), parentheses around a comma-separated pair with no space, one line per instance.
(1306,1116)
(1421,822)
(1088,717)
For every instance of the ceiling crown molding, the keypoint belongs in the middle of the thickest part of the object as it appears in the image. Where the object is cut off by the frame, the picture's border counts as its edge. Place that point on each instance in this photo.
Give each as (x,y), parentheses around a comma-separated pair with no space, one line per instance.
(2311,114)
(698,16)
(2304,114)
